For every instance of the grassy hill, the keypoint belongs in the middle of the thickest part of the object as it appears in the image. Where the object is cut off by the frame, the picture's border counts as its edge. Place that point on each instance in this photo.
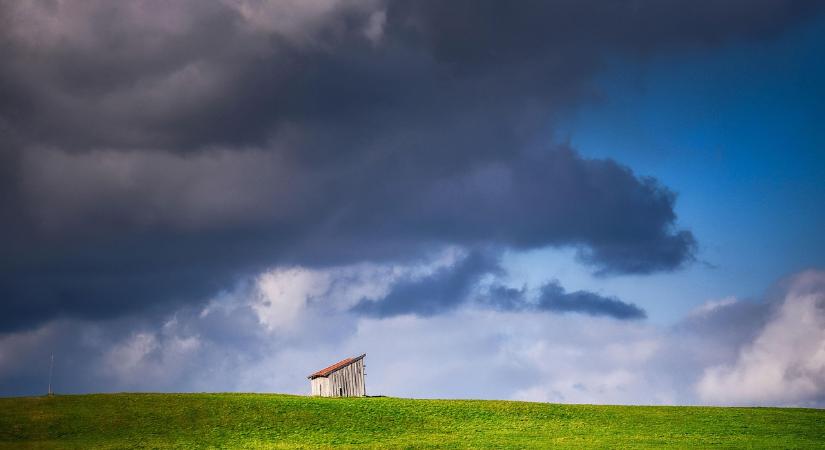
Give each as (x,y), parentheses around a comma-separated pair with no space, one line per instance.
(284,421)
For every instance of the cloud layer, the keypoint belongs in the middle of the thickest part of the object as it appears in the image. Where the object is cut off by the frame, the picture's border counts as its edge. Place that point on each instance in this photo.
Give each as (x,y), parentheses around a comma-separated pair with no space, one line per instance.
(726,352)
(155,153)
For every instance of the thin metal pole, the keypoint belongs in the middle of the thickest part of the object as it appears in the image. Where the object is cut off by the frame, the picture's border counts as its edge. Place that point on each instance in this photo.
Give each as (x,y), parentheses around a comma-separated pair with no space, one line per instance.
(51,368)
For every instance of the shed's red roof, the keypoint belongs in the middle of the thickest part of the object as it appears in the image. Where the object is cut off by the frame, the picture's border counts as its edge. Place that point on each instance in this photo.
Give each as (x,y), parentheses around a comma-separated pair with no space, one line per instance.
(339,365)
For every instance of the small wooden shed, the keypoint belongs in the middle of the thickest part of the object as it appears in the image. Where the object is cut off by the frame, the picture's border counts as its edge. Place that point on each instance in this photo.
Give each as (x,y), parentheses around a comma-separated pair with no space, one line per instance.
(342,379)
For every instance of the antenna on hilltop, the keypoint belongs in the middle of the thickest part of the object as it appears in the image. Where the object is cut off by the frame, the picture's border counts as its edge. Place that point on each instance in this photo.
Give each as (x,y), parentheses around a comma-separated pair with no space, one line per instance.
(51,368)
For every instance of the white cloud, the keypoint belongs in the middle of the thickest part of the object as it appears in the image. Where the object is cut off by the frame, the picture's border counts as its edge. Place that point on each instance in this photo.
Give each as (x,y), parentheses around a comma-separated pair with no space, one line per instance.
(714,305)
(150,358)
(524,356)
(282,295)
(785,364)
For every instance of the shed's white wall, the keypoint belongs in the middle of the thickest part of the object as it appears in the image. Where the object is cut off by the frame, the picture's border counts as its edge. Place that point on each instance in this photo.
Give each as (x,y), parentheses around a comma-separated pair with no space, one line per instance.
(320,386)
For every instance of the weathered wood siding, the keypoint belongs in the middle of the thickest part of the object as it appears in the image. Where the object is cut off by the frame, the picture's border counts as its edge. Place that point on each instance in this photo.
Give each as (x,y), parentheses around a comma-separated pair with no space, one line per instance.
(347,381)
(320,386)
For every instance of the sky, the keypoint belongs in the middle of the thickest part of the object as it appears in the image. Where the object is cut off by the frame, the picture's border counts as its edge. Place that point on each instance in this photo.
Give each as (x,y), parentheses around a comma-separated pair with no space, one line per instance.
(577,202)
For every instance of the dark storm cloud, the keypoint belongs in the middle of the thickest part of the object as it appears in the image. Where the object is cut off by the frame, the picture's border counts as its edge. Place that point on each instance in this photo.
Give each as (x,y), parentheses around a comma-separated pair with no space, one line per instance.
(153,153)
(554,298)
(443,290)
(461,283)
(203,74)
(504,298)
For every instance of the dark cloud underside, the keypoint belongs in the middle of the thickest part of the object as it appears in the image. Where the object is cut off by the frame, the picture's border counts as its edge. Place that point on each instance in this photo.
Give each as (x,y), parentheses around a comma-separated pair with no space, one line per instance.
(444,290)
(463,282)
(554,298)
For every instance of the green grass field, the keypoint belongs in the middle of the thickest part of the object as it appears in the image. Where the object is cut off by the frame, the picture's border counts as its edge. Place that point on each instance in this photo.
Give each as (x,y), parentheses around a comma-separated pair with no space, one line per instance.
(284,421)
